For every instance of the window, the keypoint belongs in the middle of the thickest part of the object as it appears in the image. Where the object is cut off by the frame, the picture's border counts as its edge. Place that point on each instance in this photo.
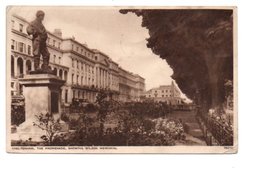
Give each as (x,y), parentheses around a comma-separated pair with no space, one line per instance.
(95,57)
(82,80)
(21,27)
(24,48)
(72,46)
(65,75)
(162,95)
(162,91)
(82,66)
(12,24)
(77,49)
(77,79)
(81,51)
(77,65)
(72,63)
(166,91)
(59,45)
(66,96)
(29,49)
(73,93)
(54,58)
(12,46)
(12,84)
(72,79)
(59,60)
(20,46)
(53,42)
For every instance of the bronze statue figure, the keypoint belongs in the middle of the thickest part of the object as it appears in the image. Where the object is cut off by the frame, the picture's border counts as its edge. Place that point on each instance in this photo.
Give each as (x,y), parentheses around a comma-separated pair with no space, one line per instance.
(39,37)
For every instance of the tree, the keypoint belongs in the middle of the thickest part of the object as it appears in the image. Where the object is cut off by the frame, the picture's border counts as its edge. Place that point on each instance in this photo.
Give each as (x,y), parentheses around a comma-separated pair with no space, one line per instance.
(51,126)
(198,46)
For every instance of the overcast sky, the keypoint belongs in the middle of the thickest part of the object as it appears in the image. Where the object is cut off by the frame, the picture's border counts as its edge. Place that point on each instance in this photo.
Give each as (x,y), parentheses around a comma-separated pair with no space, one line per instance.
(120,36)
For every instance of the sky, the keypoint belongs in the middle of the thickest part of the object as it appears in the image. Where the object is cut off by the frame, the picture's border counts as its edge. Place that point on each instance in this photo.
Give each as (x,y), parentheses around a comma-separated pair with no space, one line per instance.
(119,36)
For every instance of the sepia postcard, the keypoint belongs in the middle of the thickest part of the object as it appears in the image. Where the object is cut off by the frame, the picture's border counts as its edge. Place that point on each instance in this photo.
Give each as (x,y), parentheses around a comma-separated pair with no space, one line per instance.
(121,79)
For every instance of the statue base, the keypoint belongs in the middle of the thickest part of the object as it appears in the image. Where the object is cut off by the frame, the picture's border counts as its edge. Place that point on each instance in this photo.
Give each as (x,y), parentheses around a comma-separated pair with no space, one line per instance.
(42,94)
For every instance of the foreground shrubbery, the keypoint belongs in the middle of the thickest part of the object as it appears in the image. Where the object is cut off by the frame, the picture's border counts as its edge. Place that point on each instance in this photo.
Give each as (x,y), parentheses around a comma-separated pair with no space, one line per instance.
(17,115)
(144,133)
(122,126)
(110,123)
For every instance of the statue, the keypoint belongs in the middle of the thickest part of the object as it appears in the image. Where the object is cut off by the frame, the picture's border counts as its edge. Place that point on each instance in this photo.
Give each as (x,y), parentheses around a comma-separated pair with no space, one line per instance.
(39,37)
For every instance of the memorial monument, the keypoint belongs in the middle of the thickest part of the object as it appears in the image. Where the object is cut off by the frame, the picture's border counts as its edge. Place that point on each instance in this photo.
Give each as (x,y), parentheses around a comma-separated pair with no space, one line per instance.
(41,88)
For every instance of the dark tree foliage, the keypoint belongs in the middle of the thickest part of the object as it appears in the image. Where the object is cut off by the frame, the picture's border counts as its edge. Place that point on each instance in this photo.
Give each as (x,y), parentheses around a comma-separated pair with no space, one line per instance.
(198,46)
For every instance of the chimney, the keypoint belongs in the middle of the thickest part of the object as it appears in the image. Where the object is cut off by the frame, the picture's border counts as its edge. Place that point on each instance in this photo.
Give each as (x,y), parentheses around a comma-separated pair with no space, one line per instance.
(85,44)
(57,32)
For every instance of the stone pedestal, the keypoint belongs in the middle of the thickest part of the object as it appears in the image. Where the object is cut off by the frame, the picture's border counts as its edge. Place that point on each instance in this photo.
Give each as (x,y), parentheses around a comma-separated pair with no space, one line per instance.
(42,94)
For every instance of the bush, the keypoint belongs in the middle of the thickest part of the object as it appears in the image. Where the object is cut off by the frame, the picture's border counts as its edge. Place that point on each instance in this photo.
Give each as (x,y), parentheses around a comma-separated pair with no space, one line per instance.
(17,115)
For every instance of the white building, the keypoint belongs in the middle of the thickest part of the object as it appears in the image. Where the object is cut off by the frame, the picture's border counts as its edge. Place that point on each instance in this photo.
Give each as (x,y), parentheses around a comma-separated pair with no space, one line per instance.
(165,93)
(86,71)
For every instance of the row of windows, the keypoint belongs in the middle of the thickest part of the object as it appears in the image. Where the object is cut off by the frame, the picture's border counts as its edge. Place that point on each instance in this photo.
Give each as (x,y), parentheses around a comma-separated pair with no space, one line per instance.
(166,91)
(20,28)
(55,60)
(80,65)
(53,42)
(162,95)
(80,80)
(21,47)
(82,51)
(83,95)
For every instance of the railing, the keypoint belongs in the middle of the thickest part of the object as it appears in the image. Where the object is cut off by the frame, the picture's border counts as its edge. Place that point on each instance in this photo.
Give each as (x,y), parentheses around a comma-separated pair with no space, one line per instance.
(223,133)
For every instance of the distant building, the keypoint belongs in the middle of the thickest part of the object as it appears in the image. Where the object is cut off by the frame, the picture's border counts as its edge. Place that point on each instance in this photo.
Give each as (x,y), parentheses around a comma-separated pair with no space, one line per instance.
(164,93)
(131,86)
(86,71)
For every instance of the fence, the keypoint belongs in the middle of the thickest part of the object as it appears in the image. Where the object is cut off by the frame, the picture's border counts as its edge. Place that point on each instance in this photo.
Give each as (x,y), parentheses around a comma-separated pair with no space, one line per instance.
(223,134)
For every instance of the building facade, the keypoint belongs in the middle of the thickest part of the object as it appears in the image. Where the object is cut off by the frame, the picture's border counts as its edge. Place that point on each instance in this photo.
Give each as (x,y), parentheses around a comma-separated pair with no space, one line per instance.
(86,71)
(164,93)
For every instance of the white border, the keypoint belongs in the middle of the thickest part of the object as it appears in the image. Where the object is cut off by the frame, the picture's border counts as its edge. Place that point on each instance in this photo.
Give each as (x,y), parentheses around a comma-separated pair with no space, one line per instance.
(129,168)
